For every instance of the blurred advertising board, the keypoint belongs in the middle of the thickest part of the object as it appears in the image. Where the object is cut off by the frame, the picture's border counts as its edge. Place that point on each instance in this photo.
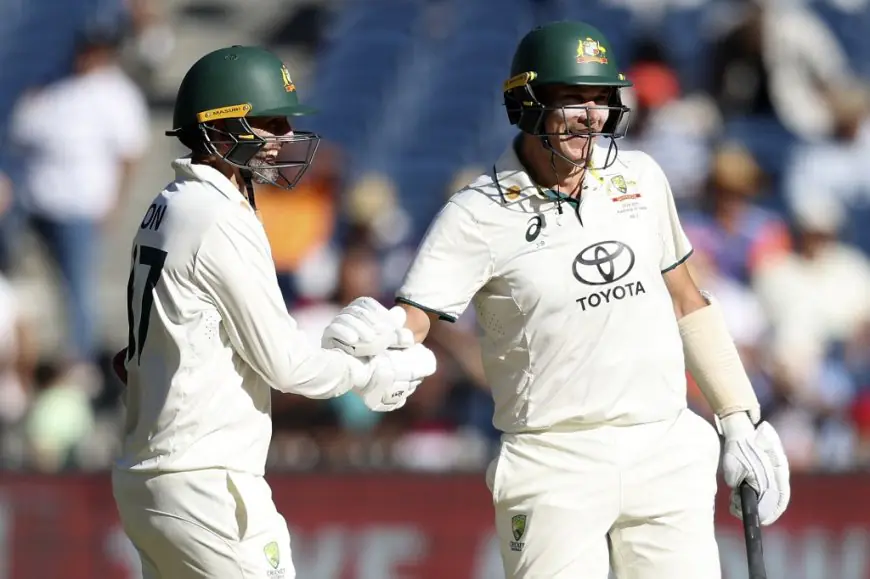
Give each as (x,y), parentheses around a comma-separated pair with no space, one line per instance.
(401,526)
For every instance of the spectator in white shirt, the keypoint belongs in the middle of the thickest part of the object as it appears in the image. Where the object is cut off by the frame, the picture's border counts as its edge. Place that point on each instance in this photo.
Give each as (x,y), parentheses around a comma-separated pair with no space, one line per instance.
(816,297)
(836,171)
(79,140)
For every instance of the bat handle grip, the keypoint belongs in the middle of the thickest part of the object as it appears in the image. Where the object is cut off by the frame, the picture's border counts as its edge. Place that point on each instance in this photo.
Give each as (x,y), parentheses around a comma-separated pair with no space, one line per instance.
(752,532)
(749,499)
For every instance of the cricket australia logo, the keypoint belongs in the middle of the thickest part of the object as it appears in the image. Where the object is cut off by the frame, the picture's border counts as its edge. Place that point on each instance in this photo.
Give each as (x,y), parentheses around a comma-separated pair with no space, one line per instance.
(273,556)
(288,82)
(619,184)
(518,529)
(590,50)
(605,263)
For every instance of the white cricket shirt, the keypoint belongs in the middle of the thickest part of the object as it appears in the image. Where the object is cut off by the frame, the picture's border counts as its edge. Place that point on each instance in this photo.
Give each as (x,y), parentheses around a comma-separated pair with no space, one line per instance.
(578,328)
(210,334)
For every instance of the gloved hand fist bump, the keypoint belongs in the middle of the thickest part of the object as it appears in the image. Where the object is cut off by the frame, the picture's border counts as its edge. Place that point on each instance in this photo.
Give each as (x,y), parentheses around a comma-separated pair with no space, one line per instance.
(366,328)
(395,375)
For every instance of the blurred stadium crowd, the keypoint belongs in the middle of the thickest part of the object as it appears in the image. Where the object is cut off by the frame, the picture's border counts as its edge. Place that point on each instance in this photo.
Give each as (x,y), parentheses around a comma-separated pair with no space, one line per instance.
(758,111)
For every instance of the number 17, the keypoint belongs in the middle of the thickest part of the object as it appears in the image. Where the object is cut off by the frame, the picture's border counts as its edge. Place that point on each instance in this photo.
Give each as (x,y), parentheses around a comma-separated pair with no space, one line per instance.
(154,259)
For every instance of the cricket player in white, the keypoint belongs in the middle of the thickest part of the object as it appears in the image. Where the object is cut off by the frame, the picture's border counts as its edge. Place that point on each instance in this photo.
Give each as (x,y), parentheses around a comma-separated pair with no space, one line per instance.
(573,257)
(210,335)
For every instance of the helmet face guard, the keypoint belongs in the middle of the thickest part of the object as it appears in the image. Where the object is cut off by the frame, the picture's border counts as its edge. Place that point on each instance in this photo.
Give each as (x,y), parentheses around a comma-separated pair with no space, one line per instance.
(529,114)
(565,54)
(218,98)
(295,152)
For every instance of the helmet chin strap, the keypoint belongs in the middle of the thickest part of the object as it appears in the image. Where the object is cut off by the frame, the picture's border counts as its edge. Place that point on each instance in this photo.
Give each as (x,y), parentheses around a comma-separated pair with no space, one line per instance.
(248,180)
(553,154)
(556,174)
(545,140)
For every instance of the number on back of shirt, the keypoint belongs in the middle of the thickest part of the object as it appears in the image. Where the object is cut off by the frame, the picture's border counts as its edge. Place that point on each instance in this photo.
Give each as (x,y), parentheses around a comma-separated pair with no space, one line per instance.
(145,272)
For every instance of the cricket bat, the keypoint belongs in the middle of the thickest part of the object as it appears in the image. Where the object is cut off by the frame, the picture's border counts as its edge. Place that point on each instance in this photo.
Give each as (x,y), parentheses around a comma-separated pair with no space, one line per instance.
(752,532)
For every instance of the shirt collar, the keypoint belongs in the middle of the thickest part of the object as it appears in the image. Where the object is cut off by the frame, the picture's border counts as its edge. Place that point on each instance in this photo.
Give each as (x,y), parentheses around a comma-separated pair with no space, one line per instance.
(187,170)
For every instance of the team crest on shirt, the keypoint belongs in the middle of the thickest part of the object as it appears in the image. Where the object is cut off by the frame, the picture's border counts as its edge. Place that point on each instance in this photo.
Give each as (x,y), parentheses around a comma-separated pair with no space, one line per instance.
(273,556)
(619,183)
(625,194)
(619,189)
(518,530)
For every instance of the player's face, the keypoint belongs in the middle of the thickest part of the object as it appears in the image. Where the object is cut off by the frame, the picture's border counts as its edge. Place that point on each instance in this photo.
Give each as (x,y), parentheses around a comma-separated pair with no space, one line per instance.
(581,111)
(264,160)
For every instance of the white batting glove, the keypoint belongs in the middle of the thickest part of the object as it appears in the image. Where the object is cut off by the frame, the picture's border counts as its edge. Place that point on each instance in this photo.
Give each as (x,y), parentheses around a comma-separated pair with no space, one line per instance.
(366,328)
(385,381)
(755,456)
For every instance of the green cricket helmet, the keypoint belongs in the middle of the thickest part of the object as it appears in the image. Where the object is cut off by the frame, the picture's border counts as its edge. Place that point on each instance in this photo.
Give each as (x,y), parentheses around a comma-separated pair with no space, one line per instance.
(233,85)
(568,54)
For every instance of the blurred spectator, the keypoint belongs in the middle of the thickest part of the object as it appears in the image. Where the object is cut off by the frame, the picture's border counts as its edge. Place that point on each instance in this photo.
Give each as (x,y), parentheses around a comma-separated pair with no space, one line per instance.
(837,172)
(7,192)
(739,235)
(17,367)
(812,413)
(817,297)
(17,355)
(79,141)
(153,39)
(59,422)
(373,202)
(674,128)
(300,225)
(856,357)
(8,220)
(777,61)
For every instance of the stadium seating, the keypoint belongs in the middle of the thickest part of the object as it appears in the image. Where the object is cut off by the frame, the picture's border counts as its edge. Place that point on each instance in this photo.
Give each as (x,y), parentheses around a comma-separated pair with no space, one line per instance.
(364,51)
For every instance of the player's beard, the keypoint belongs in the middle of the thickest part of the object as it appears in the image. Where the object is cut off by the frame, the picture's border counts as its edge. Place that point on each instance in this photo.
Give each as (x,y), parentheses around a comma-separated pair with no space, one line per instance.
(263,172)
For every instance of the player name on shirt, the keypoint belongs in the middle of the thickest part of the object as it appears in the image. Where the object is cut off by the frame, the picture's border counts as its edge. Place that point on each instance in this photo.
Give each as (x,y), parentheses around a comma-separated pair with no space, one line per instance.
(153,217)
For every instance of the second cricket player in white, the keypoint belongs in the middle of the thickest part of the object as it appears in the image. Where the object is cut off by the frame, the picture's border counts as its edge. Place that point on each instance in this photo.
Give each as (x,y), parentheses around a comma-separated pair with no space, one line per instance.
(573,256)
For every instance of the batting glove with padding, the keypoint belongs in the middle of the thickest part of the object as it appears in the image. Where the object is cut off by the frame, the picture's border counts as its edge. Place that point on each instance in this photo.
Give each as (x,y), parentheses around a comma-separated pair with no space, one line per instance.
(366,328)
(755,455)
(384,382)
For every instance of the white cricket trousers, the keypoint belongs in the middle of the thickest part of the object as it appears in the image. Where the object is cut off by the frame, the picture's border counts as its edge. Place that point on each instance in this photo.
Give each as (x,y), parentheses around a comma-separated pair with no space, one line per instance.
(639,499)
(211,524)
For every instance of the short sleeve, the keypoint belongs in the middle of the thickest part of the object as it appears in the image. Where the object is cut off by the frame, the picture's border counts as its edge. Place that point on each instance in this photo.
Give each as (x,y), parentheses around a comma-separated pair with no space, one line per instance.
(452,263)
(675,245)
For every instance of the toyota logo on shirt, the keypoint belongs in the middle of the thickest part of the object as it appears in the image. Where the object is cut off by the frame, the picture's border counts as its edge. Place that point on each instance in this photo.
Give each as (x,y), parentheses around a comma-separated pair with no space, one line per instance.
(603,263)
